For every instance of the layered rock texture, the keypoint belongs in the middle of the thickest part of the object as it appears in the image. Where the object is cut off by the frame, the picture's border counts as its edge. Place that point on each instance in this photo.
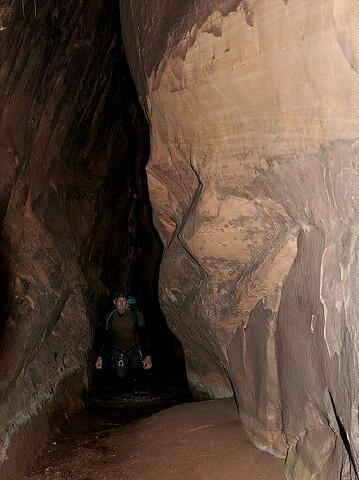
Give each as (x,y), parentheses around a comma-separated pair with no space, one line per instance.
(252,179)
(71,210)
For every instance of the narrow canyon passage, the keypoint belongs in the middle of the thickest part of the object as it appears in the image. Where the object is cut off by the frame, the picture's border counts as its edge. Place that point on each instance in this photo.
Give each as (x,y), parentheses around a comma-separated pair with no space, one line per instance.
(91,439)
(202,156)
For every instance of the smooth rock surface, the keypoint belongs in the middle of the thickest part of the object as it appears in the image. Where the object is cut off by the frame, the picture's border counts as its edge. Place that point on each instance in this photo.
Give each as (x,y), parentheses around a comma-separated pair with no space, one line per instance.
(253,177)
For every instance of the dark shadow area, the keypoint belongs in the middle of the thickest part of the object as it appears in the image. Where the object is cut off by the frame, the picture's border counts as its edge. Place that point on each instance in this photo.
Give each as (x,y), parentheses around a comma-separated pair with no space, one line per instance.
(132,256)
(131,262)
(105,413)
(6,279)
(77,220)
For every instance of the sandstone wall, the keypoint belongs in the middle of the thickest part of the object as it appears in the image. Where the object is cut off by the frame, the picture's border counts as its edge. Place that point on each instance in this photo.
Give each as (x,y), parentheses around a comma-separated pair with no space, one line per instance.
(252,180)
(70,200)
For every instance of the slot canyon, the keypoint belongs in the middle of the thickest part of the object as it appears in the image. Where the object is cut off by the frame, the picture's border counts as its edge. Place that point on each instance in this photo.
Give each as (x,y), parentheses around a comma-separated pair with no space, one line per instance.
(203,155)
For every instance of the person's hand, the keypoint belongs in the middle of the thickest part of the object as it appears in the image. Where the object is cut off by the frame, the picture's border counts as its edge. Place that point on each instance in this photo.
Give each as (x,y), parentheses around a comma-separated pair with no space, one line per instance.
(147,362)
(98,363)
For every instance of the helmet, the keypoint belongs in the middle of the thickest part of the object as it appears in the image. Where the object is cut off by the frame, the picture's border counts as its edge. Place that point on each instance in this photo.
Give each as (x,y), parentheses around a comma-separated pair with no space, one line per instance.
(119,294)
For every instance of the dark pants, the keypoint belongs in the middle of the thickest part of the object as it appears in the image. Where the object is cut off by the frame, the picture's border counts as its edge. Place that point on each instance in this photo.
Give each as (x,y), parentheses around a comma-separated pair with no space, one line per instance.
(127,367)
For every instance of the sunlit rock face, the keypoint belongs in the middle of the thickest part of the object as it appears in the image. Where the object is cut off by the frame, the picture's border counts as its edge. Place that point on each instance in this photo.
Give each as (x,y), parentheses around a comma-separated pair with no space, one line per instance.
(252,181)
(70,206)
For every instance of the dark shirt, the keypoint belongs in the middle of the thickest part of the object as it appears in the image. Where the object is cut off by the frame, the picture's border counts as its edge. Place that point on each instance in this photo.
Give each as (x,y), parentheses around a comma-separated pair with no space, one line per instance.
(125,331)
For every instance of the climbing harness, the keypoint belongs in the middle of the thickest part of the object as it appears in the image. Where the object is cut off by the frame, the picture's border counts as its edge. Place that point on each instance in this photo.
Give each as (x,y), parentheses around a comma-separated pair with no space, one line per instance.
(121,363)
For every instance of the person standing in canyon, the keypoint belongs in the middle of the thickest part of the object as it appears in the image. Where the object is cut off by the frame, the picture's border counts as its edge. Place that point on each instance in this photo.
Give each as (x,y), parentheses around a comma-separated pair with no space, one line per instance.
(125,343)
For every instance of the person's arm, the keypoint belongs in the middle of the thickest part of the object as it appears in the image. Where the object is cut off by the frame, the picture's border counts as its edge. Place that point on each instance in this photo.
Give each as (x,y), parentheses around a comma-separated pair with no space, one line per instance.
(99,360)
(99,363)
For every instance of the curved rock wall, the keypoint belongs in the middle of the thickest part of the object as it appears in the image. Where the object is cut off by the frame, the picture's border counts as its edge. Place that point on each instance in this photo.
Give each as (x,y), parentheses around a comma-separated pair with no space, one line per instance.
(252,174)
(70,205)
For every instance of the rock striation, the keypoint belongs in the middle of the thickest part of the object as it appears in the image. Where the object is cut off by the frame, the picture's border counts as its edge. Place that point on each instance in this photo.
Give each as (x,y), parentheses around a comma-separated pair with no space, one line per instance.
(72,205)
(252,176)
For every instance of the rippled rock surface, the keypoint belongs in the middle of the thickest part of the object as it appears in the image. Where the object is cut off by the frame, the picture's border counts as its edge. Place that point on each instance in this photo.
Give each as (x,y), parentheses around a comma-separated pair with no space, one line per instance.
(252,181)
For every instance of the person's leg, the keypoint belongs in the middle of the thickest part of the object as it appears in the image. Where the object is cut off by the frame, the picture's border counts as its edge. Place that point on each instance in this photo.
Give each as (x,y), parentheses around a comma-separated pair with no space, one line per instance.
(121,373)
(135,367)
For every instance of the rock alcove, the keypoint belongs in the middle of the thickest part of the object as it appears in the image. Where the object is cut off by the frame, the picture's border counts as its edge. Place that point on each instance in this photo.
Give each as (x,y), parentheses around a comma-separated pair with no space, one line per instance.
(252,180)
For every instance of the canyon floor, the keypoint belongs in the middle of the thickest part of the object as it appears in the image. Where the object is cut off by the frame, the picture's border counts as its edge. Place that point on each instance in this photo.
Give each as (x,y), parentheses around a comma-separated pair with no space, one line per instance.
(111,439)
